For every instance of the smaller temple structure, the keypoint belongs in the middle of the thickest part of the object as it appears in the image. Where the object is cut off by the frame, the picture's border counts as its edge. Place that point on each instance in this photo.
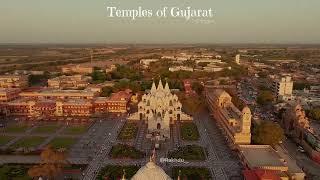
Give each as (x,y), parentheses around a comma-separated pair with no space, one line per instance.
(151,171)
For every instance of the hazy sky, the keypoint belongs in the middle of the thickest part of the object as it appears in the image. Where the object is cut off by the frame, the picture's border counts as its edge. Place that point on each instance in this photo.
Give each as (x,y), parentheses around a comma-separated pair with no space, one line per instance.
(85,21)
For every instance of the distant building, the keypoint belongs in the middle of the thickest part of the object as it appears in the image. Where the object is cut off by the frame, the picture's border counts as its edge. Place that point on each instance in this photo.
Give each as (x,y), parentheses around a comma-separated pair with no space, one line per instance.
(66,104)
(212,67)
(237,59)
(236,123)
(14,81)
(79,69)
(180,68)
(27,72)
(169,57)
(146,62)
(206,60)
(9,94)
(282,88)
(59,94)
(110,68)
(69,82)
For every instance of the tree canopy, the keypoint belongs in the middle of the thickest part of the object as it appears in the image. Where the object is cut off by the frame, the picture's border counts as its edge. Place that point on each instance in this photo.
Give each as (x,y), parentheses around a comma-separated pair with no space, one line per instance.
(124,71)
(265,97)
(315,114)
(268,133)
(98,76)
(52,163)
(197,87)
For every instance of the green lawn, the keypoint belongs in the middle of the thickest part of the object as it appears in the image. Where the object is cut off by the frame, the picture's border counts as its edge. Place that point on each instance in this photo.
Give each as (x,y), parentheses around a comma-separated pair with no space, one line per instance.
(191,172)
(129,131)
(189,152)
(28,142)
(75,130)
(5,139)
(46,129)
(62,142)
(189,131)
(14,172)
(16,128)
(125,151)
(114,172)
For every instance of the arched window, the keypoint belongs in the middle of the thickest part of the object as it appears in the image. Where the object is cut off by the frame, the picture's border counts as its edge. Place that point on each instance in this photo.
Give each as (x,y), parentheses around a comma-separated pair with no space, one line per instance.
(158,126)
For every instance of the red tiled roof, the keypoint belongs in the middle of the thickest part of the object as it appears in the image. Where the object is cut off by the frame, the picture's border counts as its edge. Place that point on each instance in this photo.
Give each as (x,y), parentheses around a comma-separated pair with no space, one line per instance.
(260,174)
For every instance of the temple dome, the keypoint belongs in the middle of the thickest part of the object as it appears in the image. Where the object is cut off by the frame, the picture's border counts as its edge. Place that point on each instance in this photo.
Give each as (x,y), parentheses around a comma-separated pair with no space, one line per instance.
(151,171)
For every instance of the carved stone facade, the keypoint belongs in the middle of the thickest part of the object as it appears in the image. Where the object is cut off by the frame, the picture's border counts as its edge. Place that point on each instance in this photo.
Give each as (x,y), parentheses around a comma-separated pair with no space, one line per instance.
(160,108)
(294,121)
(236,123)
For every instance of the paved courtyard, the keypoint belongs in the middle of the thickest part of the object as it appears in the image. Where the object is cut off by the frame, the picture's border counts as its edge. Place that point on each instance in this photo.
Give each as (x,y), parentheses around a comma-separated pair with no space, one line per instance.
(93,147)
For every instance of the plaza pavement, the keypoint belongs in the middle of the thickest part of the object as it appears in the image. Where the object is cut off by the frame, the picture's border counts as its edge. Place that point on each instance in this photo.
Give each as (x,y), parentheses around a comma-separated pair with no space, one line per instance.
(93,147)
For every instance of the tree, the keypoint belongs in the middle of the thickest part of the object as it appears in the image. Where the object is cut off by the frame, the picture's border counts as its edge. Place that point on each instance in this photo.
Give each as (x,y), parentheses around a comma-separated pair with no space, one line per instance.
(51,164)
(106,91)
(197,87)
(265,97)
(300,85)
(38,79)
(268,133)
(98,76)
(315,114)
(203,64)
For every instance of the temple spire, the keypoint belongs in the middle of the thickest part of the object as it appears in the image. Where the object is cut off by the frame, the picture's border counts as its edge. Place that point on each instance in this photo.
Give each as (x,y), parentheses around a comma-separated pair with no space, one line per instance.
(179,175)
(124,175)
(153,157)
(160,85)
(166,87)
(153,88)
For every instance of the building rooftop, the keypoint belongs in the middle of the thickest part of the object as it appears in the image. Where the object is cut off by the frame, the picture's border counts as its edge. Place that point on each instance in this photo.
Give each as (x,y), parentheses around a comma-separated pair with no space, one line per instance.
(121,95)
(262,156)
(8,90)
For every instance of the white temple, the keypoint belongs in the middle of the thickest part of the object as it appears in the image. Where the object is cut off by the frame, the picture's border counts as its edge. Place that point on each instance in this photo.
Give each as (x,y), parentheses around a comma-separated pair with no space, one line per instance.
(160,108)
(150,171)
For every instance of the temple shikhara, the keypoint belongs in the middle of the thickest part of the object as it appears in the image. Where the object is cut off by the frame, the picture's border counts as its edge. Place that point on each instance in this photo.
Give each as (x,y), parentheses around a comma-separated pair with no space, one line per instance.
(160,108)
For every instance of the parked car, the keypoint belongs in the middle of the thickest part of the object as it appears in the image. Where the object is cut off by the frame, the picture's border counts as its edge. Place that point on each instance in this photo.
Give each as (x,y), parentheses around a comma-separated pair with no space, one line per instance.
(300,149)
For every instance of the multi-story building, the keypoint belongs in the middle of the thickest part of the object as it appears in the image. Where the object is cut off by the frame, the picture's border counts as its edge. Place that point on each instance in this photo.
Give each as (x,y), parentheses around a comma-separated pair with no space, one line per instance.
(146,62)
(9,94)
(13,81)
(50,102)
(236,123)
(59,94)
(282,88)
(262,162)
(80,69)
(119,102)
(237,59)
(205,60)
(110,68)
(74,107)
(69,82)
(212,67)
